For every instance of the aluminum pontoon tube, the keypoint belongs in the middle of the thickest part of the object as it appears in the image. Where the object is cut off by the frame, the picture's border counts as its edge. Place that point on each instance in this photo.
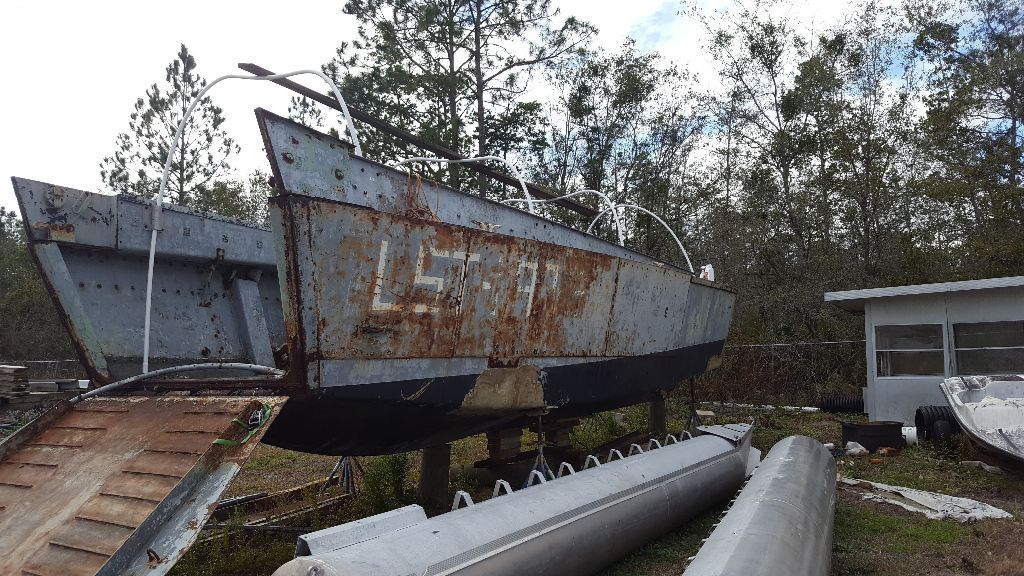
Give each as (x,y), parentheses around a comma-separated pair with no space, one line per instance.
(576,524)
(781,523)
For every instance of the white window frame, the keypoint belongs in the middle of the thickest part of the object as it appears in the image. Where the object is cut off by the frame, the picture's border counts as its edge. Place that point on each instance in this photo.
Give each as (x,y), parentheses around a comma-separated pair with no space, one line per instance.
(953,348)
(943,348)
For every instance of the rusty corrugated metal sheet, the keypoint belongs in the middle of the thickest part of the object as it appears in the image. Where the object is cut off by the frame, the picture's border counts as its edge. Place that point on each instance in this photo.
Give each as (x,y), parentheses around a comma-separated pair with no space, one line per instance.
(118,485)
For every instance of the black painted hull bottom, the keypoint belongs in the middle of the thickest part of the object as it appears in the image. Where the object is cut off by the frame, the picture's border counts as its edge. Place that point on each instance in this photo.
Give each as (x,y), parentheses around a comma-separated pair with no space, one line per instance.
(374,419)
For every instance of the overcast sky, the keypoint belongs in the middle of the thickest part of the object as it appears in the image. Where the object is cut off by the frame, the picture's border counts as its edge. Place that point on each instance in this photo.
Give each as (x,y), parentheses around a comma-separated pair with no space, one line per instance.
(72,69)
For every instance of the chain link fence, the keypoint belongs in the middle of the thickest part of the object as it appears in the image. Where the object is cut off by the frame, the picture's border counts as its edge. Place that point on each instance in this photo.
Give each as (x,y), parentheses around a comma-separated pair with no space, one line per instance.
(796,373)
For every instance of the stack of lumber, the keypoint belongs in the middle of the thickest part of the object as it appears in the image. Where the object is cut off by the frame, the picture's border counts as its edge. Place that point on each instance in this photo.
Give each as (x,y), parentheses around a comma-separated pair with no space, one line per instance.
(13,382)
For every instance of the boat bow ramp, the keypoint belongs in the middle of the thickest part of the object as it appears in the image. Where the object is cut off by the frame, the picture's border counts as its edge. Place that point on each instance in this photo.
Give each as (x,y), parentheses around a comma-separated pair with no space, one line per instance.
(120,485)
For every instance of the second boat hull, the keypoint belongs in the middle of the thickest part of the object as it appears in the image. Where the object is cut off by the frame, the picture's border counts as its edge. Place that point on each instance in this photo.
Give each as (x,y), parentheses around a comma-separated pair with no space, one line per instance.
(990,409)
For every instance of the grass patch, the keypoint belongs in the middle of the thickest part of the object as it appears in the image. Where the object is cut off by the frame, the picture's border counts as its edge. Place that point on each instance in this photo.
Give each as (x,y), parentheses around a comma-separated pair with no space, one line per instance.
(237,555)
(919,466)
(271,469)
(862,528)
(667,555)
(385,483)
(15,418)
(595,430)
(603,427)
(466,451)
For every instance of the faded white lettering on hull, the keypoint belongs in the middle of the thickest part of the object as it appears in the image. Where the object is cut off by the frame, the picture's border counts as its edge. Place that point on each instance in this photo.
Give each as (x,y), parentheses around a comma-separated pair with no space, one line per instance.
(526,280)
(421,278)
(377,304)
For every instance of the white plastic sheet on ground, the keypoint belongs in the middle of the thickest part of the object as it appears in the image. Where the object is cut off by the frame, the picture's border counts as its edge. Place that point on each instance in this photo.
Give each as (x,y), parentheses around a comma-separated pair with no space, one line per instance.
(932,505)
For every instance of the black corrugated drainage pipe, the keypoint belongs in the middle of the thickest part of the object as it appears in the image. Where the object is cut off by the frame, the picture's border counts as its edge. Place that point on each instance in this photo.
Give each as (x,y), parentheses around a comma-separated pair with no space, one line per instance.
(926,416)
(852,404)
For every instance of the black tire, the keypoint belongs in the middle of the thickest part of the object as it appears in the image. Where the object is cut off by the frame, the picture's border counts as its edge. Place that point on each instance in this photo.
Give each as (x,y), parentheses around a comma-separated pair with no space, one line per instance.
(926,416)
(942,436)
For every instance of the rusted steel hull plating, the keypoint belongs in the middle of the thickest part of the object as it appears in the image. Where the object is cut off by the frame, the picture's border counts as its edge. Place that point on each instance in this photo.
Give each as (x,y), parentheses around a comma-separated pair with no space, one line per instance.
(576,524)
(215,280)
(781,522)
(412,299)
(438,313)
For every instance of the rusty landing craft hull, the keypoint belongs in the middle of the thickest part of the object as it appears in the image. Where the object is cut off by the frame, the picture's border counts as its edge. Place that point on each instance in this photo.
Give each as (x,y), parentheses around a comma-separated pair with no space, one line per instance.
(215,283)
(416,314)
(407,314)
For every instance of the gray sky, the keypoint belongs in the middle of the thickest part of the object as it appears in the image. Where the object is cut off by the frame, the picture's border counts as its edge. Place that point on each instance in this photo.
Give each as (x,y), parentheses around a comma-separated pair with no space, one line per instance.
(72,69)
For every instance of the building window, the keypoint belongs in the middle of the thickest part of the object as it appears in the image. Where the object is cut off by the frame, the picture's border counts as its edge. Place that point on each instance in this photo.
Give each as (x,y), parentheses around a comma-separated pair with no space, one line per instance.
(989,347)
(909,350)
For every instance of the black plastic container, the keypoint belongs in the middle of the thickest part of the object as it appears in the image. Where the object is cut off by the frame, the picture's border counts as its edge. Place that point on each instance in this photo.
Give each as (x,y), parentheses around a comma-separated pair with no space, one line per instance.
(874,435)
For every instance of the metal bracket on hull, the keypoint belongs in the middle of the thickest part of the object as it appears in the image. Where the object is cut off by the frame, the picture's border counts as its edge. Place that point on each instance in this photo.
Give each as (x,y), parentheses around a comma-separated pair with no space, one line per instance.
(731,432)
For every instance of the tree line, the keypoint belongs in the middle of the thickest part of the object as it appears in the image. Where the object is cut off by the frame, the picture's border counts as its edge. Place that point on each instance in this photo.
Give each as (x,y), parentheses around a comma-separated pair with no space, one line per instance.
(883,150)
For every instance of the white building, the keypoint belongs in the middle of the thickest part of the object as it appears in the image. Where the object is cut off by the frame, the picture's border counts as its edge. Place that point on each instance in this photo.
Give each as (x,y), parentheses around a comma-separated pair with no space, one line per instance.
(918,335)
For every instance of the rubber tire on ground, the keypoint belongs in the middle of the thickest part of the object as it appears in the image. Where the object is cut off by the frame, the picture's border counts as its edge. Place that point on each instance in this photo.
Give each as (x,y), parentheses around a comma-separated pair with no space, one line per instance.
(942,435)
(926,416)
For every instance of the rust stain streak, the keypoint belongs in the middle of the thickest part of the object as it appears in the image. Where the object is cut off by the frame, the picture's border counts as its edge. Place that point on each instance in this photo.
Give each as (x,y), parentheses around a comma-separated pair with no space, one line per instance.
(611,314)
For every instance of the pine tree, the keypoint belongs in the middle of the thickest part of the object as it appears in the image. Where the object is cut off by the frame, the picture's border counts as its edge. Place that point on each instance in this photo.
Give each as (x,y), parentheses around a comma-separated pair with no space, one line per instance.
(625,125)
(452,70)
(30,328)
(202,155)
(245,200)
(973,131)
(305,112)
